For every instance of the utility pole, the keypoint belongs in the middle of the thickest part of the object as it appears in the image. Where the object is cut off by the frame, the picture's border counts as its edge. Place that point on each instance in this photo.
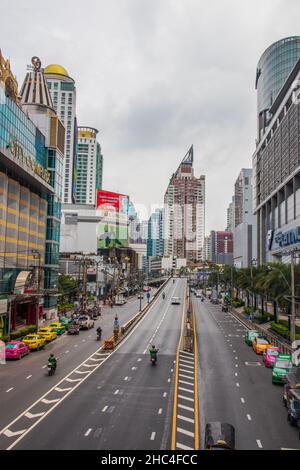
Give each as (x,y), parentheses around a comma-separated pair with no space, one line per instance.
(292,332)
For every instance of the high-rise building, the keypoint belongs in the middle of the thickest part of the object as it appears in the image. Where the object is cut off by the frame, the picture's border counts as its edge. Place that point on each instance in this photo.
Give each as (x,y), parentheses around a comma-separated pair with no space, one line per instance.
(273,69)
(89,166)
(230,216)
(243,197)
(155,241)
(276,175)
(37,104)
(244,231)
(30,191)
(185,213)
(63,93)
(221,247)
(207,248)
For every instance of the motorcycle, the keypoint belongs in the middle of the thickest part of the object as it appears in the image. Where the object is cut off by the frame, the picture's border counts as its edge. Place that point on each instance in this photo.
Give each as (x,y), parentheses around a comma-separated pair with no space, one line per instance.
(51,368)
(99,333)
(164,296)
(153,360)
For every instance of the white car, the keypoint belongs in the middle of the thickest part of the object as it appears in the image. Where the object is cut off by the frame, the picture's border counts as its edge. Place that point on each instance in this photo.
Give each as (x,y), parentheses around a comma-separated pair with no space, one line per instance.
(175,300)
(120,301)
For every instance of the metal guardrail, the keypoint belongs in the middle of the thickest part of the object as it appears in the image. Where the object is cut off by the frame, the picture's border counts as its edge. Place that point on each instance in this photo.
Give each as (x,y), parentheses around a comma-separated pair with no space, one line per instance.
(280,343)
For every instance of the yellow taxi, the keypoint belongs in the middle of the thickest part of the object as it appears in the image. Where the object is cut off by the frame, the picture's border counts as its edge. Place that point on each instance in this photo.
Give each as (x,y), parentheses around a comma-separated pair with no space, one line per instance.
(260,344)
(34,341)
(47,333)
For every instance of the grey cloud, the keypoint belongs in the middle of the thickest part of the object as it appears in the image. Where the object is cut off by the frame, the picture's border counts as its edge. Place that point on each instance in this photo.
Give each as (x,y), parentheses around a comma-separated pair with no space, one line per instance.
(156,76)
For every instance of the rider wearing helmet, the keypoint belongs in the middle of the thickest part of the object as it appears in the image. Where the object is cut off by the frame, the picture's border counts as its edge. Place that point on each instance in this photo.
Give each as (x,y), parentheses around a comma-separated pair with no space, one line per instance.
(52,360)
(153,352)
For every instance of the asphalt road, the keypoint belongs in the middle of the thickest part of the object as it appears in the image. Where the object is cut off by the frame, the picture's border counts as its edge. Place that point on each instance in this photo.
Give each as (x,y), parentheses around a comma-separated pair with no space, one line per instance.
(126,403)
(22,382)
(235,392)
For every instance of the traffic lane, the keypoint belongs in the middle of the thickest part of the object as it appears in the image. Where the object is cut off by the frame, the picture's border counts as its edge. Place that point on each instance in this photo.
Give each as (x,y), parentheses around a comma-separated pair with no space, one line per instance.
(268,413)
(125,404)
(260,400)
(162,315)
(218,394)
(36,359)
(23,382)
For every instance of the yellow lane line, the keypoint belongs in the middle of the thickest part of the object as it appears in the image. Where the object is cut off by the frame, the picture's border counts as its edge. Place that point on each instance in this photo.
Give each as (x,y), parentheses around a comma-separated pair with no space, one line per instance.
(196,409)
(173,445)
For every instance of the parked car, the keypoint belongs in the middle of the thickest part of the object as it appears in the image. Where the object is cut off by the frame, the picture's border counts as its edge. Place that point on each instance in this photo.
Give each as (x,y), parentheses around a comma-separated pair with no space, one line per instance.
(292,381)
(283,365)
(260,343)
(85,322)
(175,301)
(34,342)
(65,321)
(250,335)
(270,355)
(16,350)
(57,327)
(47,333)
(293,407)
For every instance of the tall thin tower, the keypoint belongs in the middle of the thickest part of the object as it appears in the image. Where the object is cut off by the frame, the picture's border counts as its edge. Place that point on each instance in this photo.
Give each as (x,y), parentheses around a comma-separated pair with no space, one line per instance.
(185,213)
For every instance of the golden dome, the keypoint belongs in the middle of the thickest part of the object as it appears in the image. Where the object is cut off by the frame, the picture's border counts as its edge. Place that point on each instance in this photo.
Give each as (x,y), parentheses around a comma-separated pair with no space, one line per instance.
(55,69)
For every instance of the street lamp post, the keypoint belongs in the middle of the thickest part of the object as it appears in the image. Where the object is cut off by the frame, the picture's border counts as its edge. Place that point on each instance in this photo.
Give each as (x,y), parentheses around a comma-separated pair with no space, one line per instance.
(253,263)
(293,328)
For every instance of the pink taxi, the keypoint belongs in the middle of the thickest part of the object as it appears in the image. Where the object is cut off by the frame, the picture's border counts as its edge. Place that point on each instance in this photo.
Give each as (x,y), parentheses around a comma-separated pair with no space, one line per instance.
(270,356)
(16,350)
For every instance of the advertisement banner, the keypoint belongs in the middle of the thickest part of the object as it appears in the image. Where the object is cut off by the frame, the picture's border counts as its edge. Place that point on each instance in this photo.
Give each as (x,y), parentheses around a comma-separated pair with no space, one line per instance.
(112,231)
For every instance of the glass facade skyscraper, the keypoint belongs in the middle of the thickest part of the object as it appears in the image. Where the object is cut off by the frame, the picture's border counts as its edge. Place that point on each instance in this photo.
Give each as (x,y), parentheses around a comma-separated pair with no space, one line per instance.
(273,68)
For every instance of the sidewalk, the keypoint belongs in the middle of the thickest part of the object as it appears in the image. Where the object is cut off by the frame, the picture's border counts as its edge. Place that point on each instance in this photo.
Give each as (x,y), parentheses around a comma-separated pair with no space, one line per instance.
(240,310)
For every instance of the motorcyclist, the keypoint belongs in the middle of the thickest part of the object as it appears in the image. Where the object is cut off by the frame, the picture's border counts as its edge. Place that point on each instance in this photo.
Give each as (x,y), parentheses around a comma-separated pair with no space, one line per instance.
(53,361)
(99,331)
(153,353)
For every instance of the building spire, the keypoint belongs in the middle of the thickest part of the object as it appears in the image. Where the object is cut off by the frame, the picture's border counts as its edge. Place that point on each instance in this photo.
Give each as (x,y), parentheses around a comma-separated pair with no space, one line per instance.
(35,90)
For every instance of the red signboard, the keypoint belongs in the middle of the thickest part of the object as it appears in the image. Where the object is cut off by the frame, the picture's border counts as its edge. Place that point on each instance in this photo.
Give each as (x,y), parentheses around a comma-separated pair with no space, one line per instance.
(108,198)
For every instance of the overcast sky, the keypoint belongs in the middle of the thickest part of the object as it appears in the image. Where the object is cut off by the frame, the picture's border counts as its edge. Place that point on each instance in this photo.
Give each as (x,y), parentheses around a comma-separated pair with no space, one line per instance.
(155,76)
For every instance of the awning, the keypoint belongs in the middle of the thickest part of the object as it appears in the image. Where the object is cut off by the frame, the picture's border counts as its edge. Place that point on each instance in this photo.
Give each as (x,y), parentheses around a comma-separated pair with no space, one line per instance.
(21,282)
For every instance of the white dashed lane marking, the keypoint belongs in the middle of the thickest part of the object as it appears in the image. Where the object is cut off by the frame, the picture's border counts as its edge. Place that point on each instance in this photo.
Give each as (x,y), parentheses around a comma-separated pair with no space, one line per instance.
(88,432)
(9,390)
(153,436)
(243,400)
(259,443)
(249,417)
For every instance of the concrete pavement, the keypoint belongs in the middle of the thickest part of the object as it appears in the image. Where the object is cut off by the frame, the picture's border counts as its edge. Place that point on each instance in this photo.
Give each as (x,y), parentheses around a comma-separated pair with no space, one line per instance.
(22,382)
(235,386)
(126,403)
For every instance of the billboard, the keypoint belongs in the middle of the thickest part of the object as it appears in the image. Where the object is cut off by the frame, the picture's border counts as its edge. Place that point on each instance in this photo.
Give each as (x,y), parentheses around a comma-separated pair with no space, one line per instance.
(112,230)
